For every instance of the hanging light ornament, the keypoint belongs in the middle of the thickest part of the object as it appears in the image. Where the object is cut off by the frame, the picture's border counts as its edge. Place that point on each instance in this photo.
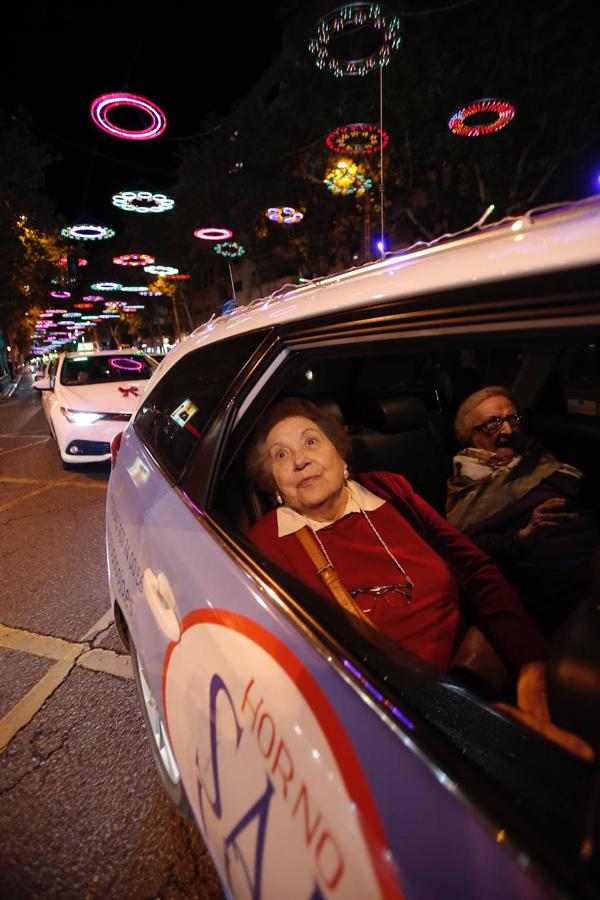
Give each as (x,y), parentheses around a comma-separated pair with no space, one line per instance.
(350,18)
(357,140)
(161,270)
(229,249)
(60,295)
(101,107)
(134,259)
(107,286)
(284,215)
(87,232)
(213,234)
(502,109)
(142,202)
(347,178)
(80,262)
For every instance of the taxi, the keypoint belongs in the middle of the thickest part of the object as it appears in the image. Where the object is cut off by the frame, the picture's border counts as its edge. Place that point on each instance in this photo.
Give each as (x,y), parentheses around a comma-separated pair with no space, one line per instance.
(317,760)
(87,398)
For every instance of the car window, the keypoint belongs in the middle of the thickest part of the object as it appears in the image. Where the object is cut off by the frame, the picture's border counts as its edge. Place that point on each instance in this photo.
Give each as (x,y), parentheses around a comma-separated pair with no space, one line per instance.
(173,416)
(78,370)
(399,407)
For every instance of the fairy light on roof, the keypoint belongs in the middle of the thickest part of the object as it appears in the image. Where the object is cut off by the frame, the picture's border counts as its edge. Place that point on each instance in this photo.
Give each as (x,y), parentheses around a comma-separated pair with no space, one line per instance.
(87,232)
(105,104)
(503,111)
(358,139)
(350,18)
(142,202)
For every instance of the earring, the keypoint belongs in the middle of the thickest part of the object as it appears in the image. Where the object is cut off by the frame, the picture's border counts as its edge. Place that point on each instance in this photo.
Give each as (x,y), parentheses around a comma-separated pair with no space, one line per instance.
(278,497)
(346,473)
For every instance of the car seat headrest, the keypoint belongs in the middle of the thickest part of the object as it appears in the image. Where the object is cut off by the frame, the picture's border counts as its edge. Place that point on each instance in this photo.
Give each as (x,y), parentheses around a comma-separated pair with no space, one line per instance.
(397,414)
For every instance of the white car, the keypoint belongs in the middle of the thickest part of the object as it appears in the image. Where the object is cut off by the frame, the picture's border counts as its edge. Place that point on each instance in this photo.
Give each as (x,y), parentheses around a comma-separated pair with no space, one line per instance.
(89,397)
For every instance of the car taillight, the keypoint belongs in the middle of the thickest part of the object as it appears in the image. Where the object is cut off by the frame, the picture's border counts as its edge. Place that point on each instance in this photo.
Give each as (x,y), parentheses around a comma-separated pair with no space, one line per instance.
(114,448)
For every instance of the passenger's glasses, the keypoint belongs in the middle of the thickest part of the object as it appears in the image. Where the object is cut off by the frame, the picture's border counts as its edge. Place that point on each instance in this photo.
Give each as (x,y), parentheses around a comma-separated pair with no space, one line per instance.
(496,422)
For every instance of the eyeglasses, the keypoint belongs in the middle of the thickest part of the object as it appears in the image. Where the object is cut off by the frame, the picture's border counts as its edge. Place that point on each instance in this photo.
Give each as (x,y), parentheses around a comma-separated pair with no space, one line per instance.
(496,422)
(392,594)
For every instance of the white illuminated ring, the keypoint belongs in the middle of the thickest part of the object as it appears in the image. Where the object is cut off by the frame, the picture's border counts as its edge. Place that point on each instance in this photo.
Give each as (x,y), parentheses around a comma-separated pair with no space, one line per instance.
(213,234)
(107,286)
(142,202)
(284,215)
(87,232)
(161,270)
(101,106)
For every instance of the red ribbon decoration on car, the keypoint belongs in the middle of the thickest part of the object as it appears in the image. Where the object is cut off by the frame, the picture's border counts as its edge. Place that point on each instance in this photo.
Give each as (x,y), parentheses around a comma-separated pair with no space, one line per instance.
(130,390)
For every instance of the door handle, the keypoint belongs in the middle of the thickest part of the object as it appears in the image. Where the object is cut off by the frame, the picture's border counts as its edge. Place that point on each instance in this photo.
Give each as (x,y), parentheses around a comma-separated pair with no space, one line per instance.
(161,601)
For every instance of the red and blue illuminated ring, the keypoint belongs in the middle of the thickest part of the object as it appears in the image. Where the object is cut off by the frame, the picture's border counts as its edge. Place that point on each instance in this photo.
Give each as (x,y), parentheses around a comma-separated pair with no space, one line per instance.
(504,111)
(213,234)
(87,232)
(284,215)
(136,365)
(101,107)
(357,139)
(134,259)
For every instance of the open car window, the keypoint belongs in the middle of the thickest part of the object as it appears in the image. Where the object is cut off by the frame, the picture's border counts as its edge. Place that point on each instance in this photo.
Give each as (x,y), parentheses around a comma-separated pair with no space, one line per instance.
(399,402)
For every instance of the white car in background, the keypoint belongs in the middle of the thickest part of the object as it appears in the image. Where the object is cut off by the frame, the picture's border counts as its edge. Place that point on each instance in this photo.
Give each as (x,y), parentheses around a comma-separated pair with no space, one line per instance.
(88,398)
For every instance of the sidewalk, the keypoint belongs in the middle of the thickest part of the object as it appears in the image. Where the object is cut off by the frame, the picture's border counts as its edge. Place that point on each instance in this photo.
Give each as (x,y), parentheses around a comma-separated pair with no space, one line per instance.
(8,386)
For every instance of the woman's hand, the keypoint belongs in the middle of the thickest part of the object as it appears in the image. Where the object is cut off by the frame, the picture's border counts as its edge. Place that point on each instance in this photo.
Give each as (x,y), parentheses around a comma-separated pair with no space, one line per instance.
(533,711)
(549,514)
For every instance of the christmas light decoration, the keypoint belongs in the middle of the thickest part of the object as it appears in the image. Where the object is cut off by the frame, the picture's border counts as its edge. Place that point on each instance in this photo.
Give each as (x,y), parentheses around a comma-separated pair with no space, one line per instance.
(133,288)
(80,262)
(106,286)
(284,215)
(60,295)
(179,277)
(83,305)
(351,18)
(87,232)
(150,293)
(134,259)
(142,202)
(229,249)
(93,298)
(213,234)
(347,178)
(161,270)
(503,110)
(126,364)
(103,105)
(357,139)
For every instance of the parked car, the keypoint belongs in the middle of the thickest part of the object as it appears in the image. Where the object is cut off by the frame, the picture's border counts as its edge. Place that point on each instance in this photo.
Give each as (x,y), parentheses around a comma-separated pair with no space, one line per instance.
(317,761)
(88,396)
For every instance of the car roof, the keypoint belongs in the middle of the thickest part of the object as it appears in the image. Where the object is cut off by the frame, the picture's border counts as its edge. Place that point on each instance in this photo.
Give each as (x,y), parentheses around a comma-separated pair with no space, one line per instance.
(545,239)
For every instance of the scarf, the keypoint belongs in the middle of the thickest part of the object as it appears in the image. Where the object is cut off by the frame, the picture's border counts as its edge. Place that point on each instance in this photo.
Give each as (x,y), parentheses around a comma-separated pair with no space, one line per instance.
(483,485)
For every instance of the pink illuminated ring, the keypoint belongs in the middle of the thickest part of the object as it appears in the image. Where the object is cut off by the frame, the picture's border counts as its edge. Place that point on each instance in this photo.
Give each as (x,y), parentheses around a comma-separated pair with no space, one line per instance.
(503,111)
(213,234)
(136,365)
(60,295)
(101,106)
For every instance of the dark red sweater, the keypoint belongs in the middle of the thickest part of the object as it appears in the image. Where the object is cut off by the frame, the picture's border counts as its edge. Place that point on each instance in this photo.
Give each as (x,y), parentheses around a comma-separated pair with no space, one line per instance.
(446,567)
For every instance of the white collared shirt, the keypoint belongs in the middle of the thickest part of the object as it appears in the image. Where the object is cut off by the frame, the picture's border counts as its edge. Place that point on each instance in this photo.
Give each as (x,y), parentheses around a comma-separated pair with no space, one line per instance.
(289,521)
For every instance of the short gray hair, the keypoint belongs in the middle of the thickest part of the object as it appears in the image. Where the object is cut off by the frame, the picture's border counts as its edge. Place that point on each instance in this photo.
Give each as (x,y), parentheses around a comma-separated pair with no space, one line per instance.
(463,424)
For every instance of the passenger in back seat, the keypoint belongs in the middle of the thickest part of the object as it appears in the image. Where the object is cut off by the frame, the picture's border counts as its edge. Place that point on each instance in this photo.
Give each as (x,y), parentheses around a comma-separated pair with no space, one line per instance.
(521,505)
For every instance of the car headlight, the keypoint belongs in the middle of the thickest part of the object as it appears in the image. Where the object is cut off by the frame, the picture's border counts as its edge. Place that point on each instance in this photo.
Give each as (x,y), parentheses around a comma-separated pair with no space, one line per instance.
(78,417)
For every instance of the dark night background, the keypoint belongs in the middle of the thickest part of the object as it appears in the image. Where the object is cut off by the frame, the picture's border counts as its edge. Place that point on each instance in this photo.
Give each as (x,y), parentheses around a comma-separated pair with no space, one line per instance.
(238,85)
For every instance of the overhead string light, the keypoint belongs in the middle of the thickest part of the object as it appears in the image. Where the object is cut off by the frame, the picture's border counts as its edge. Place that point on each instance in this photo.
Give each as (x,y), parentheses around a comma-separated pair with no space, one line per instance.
(348,19)
(142,202)
(461,121)
(103,105)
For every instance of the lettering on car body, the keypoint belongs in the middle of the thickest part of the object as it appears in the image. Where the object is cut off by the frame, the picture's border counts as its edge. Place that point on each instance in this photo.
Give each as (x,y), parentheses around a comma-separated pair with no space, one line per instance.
(269,770)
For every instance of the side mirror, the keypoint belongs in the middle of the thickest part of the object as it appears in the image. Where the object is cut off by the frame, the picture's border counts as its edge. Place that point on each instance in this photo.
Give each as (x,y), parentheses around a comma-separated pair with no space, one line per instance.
(42,384)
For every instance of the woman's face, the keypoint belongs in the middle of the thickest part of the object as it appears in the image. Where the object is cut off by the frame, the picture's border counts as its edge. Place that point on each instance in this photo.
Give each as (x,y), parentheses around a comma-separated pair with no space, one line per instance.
(308,470)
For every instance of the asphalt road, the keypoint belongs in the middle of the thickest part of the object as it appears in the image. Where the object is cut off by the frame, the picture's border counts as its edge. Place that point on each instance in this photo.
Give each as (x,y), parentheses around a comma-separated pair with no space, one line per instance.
(82,813)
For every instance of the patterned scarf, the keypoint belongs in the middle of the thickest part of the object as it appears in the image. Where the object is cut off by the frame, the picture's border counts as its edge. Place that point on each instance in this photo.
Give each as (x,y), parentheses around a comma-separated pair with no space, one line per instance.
(482,484)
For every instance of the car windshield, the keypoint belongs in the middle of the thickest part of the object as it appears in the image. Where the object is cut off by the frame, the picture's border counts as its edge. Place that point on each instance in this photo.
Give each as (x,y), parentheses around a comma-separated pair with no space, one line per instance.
(78,370)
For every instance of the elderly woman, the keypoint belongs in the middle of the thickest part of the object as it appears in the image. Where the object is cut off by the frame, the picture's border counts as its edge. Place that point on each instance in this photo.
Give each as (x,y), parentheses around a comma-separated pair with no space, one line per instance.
(397,562)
